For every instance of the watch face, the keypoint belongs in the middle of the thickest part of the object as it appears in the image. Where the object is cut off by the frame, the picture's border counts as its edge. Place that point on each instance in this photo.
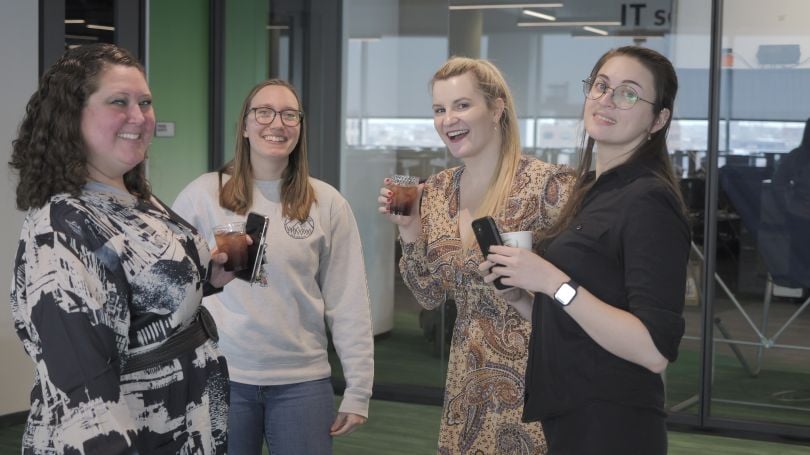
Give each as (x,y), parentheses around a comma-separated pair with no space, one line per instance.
(565,294)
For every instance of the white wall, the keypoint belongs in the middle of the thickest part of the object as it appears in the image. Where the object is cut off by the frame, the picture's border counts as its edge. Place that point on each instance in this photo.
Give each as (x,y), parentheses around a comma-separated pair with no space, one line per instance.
(18,53)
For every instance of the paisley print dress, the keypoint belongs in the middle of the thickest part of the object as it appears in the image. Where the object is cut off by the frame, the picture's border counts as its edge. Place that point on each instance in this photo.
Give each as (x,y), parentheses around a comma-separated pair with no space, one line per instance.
(483,398)
(99,277)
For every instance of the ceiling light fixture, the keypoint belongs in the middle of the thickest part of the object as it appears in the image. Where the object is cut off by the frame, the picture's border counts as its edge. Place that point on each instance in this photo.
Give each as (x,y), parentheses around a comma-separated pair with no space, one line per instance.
(569,24)
(101,27)
(505,6)
(74,21)
(598,31)
(539,15)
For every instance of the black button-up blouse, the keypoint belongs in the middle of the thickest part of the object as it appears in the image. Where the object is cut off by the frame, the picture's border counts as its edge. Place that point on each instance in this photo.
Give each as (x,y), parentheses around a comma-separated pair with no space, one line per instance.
(629,246)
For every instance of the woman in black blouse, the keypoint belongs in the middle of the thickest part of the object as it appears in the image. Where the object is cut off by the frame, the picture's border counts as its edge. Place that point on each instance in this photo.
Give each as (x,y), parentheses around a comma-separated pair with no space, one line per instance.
(609,287)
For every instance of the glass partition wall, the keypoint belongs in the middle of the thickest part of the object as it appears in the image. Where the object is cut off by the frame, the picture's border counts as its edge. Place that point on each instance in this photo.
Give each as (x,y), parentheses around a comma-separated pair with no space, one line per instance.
(390,51)
(755,371)
(761,351)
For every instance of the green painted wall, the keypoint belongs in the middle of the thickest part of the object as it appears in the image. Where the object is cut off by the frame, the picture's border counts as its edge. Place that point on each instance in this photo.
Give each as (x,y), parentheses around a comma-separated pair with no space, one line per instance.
(179,79)
(178,76)
(246,58)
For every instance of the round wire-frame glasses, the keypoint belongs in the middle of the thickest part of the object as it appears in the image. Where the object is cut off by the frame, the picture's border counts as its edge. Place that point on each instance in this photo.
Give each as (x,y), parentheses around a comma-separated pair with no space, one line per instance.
(623,96)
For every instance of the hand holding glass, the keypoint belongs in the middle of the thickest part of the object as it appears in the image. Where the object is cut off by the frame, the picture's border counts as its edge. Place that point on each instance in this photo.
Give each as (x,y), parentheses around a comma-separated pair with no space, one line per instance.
(231,240)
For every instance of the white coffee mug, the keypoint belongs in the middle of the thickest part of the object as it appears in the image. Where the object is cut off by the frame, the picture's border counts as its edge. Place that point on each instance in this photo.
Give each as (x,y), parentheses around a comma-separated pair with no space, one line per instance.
(518,239)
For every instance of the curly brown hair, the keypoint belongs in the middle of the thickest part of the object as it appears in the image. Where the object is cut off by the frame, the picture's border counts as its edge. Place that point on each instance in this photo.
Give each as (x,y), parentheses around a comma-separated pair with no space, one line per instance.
(49,153)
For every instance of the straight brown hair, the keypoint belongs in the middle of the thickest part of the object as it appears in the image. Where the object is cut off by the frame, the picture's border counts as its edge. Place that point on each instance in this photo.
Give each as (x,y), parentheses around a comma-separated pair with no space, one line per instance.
(297,194)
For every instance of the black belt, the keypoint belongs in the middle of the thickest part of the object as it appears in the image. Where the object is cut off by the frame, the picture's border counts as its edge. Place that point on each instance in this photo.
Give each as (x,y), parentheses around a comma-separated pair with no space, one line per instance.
(200,330)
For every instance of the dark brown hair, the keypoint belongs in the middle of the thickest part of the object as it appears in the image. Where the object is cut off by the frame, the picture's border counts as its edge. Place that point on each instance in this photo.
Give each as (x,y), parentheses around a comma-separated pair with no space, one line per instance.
(297,195)
(49,153)
(653,152)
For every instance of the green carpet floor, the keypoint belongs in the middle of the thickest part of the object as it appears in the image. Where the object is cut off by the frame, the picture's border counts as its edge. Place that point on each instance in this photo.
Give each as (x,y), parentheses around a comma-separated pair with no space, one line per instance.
(768,397)
(405,357)
(409,429)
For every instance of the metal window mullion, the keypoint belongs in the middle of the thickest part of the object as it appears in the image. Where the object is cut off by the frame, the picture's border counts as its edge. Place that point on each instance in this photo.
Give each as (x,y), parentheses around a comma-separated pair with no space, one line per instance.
(710,226)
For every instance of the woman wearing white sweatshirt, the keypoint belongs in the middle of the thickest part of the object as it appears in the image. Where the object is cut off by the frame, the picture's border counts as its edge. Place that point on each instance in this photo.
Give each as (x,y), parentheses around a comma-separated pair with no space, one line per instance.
(274,334)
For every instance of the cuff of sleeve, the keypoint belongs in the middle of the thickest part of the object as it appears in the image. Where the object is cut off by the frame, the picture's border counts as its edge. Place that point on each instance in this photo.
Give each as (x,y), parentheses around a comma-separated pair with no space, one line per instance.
(666,330)
(208,288)
(415,249)
(407,247)
(354,403)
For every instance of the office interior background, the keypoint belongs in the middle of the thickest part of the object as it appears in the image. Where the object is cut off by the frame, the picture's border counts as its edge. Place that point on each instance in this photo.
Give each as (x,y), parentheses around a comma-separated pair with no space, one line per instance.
(363,68)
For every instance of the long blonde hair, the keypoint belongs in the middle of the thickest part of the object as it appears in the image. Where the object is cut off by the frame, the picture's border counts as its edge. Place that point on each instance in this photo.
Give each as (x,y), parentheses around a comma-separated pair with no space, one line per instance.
(297,194)
(492,85)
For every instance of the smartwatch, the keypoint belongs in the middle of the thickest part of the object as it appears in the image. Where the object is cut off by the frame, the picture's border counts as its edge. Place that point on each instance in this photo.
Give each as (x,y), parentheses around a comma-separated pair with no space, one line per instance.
(566,292)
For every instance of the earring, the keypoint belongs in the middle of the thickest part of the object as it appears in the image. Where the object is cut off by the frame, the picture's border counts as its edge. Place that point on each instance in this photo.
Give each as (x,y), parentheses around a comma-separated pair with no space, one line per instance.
(649,136)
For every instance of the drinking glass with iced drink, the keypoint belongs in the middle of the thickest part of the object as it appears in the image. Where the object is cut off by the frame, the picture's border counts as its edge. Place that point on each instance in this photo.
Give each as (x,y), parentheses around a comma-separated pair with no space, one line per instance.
(231,240)
(405,190)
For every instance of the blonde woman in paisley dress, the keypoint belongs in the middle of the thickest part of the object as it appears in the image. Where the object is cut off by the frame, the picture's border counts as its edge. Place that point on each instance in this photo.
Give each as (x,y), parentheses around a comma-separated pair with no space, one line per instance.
(475,116)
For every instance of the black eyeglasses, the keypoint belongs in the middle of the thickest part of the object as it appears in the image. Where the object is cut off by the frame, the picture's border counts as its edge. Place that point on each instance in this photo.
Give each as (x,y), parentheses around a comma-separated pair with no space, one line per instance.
(624,96)
(266,115)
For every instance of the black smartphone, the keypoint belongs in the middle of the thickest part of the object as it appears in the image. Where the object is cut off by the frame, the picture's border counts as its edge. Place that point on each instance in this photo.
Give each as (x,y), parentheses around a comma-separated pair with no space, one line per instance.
(486,233)
(256,228)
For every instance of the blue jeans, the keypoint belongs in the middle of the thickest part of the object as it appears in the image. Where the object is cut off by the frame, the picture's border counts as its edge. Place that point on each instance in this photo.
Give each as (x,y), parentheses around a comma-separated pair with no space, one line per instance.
(293,418)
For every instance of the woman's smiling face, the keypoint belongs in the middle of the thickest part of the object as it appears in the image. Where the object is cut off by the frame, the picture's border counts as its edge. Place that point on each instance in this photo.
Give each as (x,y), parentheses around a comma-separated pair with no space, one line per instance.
(622,129)
(117,123)
(275,140)
(462,118)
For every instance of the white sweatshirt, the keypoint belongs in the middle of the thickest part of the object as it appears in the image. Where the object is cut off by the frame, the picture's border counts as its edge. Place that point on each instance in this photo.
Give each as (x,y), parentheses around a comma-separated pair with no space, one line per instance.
(277,334)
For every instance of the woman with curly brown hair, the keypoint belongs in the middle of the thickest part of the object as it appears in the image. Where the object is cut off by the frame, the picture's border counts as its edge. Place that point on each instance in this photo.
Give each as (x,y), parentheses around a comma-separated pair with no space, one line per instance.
(107,280)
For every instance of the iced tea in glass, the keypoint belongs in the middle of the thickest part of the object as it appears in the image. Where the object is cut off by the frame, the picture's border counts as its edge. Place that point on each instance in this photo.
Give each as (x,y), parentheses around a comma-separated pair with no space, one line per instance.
(231,240)
(405,191)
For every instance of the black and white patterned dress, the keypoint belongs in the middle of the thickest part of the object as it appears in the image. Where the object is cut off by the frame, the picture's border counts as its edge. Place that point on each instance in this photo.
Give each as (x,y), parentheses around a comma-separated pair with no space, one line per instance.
(99,277)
